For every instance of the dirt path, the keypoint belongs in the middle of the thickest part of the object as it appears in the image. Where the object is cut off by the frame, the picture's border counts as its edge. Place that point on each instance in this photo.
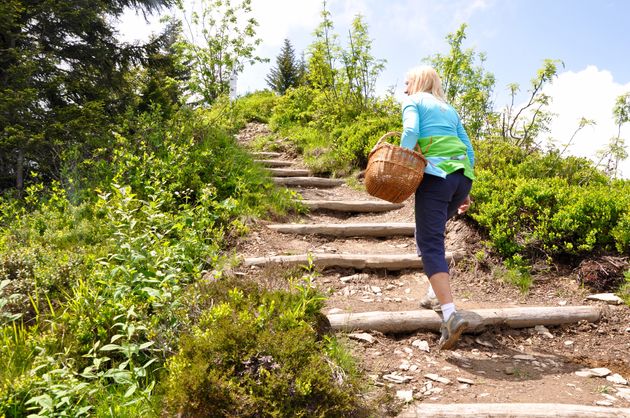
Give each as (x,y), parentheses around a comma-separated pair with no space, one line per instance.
(499,365)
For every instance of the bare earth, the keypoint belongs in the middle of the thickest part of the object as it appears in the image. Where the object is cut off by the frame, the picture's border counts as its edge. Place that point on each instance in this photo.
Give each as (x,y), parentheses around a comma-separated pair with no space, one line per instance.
(499,365)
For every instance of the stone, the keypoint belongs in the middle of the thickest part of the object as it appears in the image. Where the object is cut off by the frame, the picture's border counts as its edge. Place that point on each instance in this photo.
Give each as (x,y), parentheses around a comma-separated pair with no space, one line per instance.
(367,300)
(600,371)
(413,368)
(603,403)
(375,289)
(525,357)
(408,351)
(568,343)
(421,345)
(466,381)
(584,373)
(617,379)
(437,378)
(405,395)
(404,366)
(354,278)
(562,302)
(396,378)
(484,343)
(623,393)
(609,298)
(334,311)
(463,386)
(542,330)
(362,336)
(509,370)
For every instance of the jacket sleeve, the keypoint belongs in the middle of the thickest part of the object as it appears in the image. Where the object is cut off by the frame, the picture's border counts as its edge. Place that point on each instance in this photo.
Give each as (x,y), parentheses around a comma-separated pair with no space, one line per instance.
(411,124)
(463,136)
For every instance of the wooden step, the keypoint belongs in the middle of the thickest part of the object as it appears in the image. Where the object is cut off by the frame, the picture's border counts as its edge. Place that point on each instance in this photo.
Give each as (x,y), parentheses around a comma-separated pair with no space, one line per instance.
(307,181)
(275,163)
(357,261)
(266,154)
(349,230)
(352,205)
(512,410)
(289,172)
(427,319)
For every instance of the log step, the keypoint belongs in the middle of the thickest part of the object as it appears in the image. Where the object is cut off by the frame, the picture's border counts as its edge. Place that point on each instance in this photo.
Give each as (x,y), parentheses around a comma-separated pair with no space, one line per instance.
(266,154)
(426,319)
(274,163)
(349,230)
(307,181)
(392,262)
(352,205)
(513,410)
(289,172)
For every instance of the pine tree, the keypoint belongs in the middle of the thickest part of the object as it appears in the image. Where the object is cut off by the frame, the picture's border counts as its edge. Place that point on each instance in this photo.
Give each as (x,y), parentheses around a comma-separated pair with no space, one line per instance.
(287,73)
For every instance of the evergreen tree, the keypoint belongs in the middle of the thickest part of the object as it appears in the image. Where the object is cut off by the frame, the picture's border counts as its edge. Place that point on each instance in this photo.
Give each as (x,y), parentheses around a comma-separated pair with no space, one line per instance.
(287,73)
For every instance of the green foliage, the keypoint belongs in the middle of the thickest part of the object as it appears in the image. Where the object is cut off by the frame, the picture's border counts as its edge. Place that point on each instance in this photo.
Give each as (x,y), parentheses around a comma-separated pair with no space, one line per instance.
(288,73)
(624,290)
(467,86)
(229,42)
(256,353)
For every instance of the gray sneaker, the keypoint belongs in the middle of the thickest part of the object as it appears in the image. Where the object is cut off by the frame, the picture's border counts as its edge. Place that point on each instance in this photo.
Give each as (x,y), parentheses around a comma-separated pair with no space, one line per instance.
(451,330)
(430,303)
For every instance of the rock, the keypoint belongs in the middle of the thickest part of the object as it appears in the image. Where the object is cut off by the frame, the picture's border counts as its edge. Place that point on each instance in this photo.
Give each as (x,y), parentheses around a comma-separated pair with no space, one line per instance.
(408,350)
(354,278)
(396,378)
(405,395)
(609,298)
(562,302)
(413,368)
(484,343)
(437,378)
(367,300)
(390,287)
(568,343)
(464,380)
(421,345)
(584,373)
(375,289)
(362,336)
(334,311)
(600,371)
(603,403)
(525,357)
(509,370)
(542,330)
(617,379)
(624,393)
(404,366)
(463,386)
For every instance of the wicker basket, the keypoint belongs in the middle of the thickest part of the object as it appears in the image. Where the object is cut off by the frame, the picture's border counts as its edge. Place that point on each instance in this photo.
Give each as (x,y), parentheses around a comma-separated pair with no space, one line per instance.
(393,173)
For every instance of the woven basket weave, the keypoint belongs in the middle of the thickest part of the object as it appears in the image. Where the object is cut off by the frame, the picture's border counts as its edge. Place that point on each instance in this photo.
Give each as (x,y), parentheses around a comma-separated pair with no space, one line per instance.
(393,173)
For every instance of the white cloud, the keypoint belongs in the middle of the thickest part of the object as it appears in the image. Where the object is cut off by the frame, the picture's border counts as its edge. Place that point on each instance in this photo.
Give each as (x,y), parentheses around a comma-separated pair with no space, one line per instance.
(589,93)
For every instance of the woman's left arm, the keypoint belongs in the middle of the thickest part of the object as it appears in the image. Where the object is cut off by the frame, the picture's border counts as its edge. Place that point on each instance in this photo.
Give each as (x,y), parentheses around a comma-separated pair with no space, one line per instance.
(411,124)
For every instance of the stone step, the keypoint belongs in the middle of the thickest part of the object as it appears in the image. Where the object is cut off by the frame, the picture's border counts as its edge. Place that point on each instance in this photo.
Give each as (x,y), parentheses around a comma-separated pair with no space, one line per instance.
(513,410)
(266,154)
(390,229)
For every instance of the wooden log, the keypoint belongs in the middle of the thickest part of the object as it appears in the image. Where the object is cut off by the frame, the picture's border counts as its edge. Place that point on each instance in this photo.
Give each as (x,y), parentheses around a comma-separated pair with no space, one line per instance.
(274,163)
(289,172)
(512,410)
(307,181)
(356,261)
(266,154)
(352,205)
(349,230)
(409,321)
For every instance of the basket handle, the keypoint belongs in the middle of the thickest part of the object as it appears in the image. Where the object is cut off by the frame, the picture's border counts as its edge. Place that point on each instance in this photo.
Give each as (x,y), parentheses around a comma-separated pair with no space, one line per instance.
(394,133)
(387,135)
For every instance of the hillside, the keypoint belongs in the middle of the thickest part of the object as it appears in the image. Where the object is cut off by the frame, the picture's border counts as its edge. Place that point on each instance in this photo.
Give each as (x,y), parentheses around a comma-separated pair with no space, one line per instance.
(497,364)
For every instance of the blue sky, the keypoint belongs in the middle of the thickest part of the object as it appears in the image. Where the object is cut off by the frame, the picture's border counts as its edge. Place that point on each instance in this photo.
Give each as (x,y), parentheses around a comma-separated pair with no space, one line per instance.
(590,37)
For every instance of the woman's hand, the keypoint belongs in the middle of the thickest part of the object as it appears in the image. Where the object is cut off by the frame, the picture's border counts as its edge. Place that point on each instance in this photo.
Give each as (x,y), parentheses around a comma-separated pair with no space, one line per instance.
(464,206)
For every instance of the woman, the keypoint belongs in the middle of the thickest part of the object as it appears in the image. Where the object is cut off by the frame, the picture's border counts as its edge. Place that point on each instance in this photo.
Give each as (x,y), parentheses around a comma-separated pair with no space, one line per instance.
(433,125)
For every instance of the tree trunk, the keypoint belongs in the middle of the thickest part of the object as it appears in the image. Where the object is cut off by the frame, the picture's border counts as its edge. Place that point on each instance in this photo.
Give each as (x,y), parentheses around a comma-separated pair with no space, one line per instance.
(19,171)
(357,261)
(349,230)
(478,319)
(513,410)
(352,205)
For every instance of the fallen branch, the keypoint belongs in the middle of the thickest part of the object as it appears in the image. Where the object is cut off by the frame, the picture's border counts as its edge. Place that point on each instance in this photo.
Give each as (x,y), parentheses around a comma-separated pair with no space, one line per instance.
(478,319)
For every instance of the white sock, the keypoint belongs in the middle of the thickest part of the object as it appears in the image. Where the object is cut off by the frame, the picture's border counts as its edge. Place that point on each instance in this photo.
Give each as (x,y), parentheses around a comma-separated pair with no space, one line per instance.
(448,309)
(430,292)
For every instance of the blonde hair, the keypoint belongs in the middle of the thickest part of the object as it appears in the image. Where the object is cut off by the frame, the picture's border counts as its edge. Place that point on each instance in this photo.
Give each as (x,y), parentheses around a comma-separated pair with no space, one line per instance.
(425,79)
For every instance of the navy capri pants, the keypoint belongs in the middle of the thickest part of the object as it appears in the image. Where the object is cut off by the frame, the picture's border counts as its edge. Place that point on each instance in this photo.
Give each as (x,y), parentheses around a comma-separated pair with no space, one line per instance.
(437,200)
